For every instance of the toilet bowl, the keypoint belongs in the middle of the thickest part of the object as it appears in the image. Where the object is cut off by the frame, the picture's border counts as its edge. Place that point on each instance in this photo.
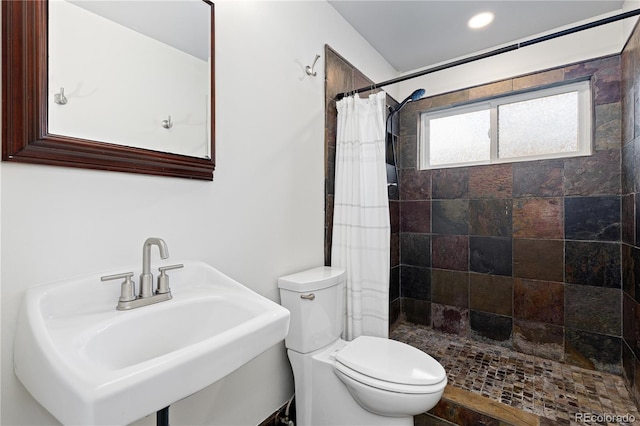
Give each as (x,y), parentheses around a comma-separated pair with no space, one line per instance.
(368,381)
(390,378)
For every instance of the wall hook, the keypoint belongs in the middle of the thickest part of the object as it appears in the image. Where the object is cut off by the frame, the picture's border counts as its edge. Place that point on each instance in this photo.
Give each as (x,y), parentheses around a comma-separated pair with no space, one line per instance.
(60,98)
(309,69)
(167,124)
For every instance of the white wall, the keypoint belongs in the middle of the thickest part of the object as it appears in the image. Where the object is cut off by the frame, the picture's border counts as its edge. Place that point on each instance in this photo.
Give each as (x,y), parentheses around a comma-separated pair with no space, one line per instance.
(261,217)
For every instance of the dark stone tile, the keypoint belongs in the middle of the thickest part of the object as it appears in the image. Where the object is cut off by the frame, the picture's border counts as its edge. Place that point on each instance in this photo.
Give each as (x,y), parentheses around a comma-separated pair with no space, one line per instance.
(634,101)
(630,327)
(636,348)
(394,283)
(450,288)
(539,339)
(415,282)
(636,156)
(395,250)
(538,79)
(330,171)
(490,217)
(489,327)
(450,252)
(591,67)
(417,311)
(549,422)
(630,271)
(607,91)
(628,219)
(538,259)
(407,153)
(415,249)
(450,183)
(628,169)
(491,293)
(415,184)
(339,76)
(415,216)
(593,264)
(606,82)
(331,126)
(637,197)
(593,351)
(635,388)
(494,181)
(538,178)
(450,217)
(628,366)
(605,74)
(608,126)
(490,255)
(538,218)
(598,174)
(635,252)
(458,414)
(328,228)
(409,116)
(450,98)
(492,89)
(593,309)
(628,125)
(361,80)
(541,301)
(395,312)
(450,319)
(426,419)
(592,218)
(394,216)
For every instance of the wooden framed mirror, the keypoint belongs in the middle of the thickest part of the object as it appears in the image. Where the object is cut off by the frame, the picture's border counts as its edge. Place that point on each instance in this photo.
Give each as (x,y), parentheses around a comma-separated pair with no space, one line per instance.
(26,100)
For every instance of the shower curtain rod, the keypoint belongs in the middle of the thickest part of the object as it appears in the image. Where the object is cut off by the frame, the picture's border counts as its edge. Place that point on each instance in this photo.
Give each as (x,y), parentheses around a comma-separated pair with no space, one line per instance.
(495,52)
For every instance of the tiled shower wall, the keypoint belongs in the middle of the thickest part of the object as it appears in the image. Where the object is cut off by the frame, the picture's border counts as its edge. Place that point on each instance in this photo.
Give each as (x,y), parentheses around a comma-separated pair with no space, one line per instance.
(541,256)
(340,77)
(631,213)
(524,255)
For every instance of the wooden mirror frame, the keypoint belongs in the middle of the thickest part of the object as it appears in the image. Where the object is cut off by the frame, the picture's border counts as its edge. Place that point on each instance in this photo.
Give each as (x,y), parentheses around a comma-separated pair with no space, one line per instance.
(25,136)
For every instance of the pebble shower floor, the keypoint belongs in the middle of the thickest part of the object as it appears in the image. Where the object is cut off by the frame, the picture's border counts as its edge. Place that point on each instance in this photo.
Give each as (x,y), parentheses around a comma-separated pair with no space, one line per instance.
(549,389)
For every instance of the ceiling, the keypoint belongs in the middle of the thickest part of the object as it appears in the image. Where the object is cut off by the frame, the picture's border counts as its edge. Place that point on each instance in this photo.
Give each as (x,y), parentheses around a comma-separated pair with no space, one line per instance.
(415,34)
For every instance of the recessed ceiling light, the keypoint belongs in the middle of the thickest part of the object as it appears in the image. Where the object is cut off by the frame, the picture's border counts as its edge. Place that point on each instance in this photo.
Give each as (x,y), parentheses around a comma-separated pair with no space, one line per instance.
(481,20)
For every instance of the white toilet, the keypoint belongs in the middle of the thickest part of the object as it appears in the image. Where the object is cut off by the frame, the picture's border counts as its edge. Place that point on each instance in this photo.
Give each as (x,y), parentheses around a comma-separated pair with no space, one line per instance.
(368,381)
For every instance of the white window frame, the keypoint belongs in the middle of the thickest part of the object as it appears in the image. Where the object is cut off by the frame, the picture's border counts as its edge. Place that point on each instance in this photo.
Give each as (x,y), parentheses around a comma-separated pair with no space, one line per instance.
(585,120)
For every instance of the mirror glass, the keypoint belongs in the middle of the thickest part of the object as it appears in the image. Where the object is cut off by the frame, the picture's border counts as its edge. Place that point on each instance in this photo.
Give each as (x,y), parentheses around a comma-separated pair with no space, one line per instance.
(135,73)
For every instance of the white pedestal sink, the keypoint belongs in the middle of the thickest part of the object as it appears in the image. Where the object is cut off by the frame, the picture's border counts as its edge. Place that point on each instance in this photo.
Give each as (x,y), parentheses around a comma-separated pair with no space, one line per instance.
(88,363)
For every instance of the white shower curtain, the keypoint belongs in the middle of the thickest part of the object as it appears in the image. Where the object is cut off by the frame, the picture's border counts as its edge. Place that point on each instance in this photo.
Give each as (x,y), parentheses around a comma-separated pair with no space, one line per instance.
(361,229)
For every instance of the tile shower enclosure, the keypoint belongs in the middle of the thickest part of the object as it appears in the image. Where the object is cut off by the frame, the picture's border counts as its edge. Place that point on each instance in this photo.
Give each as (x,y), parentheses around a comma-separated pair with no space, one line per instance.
(539,256)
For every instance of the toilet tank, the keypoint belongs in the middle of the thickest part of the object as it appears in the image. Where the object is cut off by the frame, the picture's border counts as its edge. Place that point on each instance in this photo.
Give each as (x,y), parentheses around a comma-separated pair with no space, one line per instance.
(314,298)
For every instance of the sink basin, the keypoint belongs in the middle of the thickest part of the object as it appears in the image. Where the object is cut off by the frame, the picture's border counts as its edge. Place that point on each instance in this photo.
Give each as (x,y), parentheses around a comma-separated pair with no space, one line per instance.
(88,363)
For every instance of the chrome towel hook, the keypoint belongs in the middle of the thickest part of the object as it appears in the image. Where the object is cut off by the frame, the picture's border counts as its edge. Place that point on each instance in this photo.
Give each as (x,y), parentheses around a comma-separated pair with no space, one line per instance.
(167,124)
(309,69)
(60,98)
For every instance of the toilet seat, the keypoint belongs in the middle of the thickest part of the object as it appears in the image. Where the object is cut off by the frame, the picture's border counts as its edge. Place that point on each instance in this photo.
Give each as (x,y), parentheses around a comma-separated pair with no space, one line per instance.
(389,365)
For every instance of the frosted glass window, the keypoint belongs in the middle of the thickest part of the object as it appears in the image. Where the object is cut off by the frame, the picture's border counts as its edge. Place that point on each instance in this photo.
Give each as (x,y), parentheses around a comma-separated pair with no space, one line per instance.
(538,126)
(553,122)
(461,138)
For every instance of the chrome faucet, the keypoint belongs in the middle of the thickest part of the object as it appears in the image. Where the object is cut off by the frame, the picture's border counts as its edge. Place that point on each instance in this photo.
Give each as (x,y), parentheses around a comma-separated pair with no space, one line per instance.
(147,296)
(146,279)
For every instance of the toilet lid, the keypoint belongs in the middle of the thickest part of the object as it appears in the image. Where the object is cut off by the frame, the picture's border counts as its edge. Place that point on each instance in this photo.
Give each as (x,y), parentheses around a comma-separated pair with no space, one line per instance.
(390,361)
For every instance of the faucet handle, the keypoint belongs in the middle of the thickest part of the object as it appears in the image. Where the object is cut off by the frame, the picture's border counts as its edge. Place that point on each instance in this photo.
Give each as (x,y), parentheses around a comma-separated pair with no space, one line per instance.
(163,278)
(127,288)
